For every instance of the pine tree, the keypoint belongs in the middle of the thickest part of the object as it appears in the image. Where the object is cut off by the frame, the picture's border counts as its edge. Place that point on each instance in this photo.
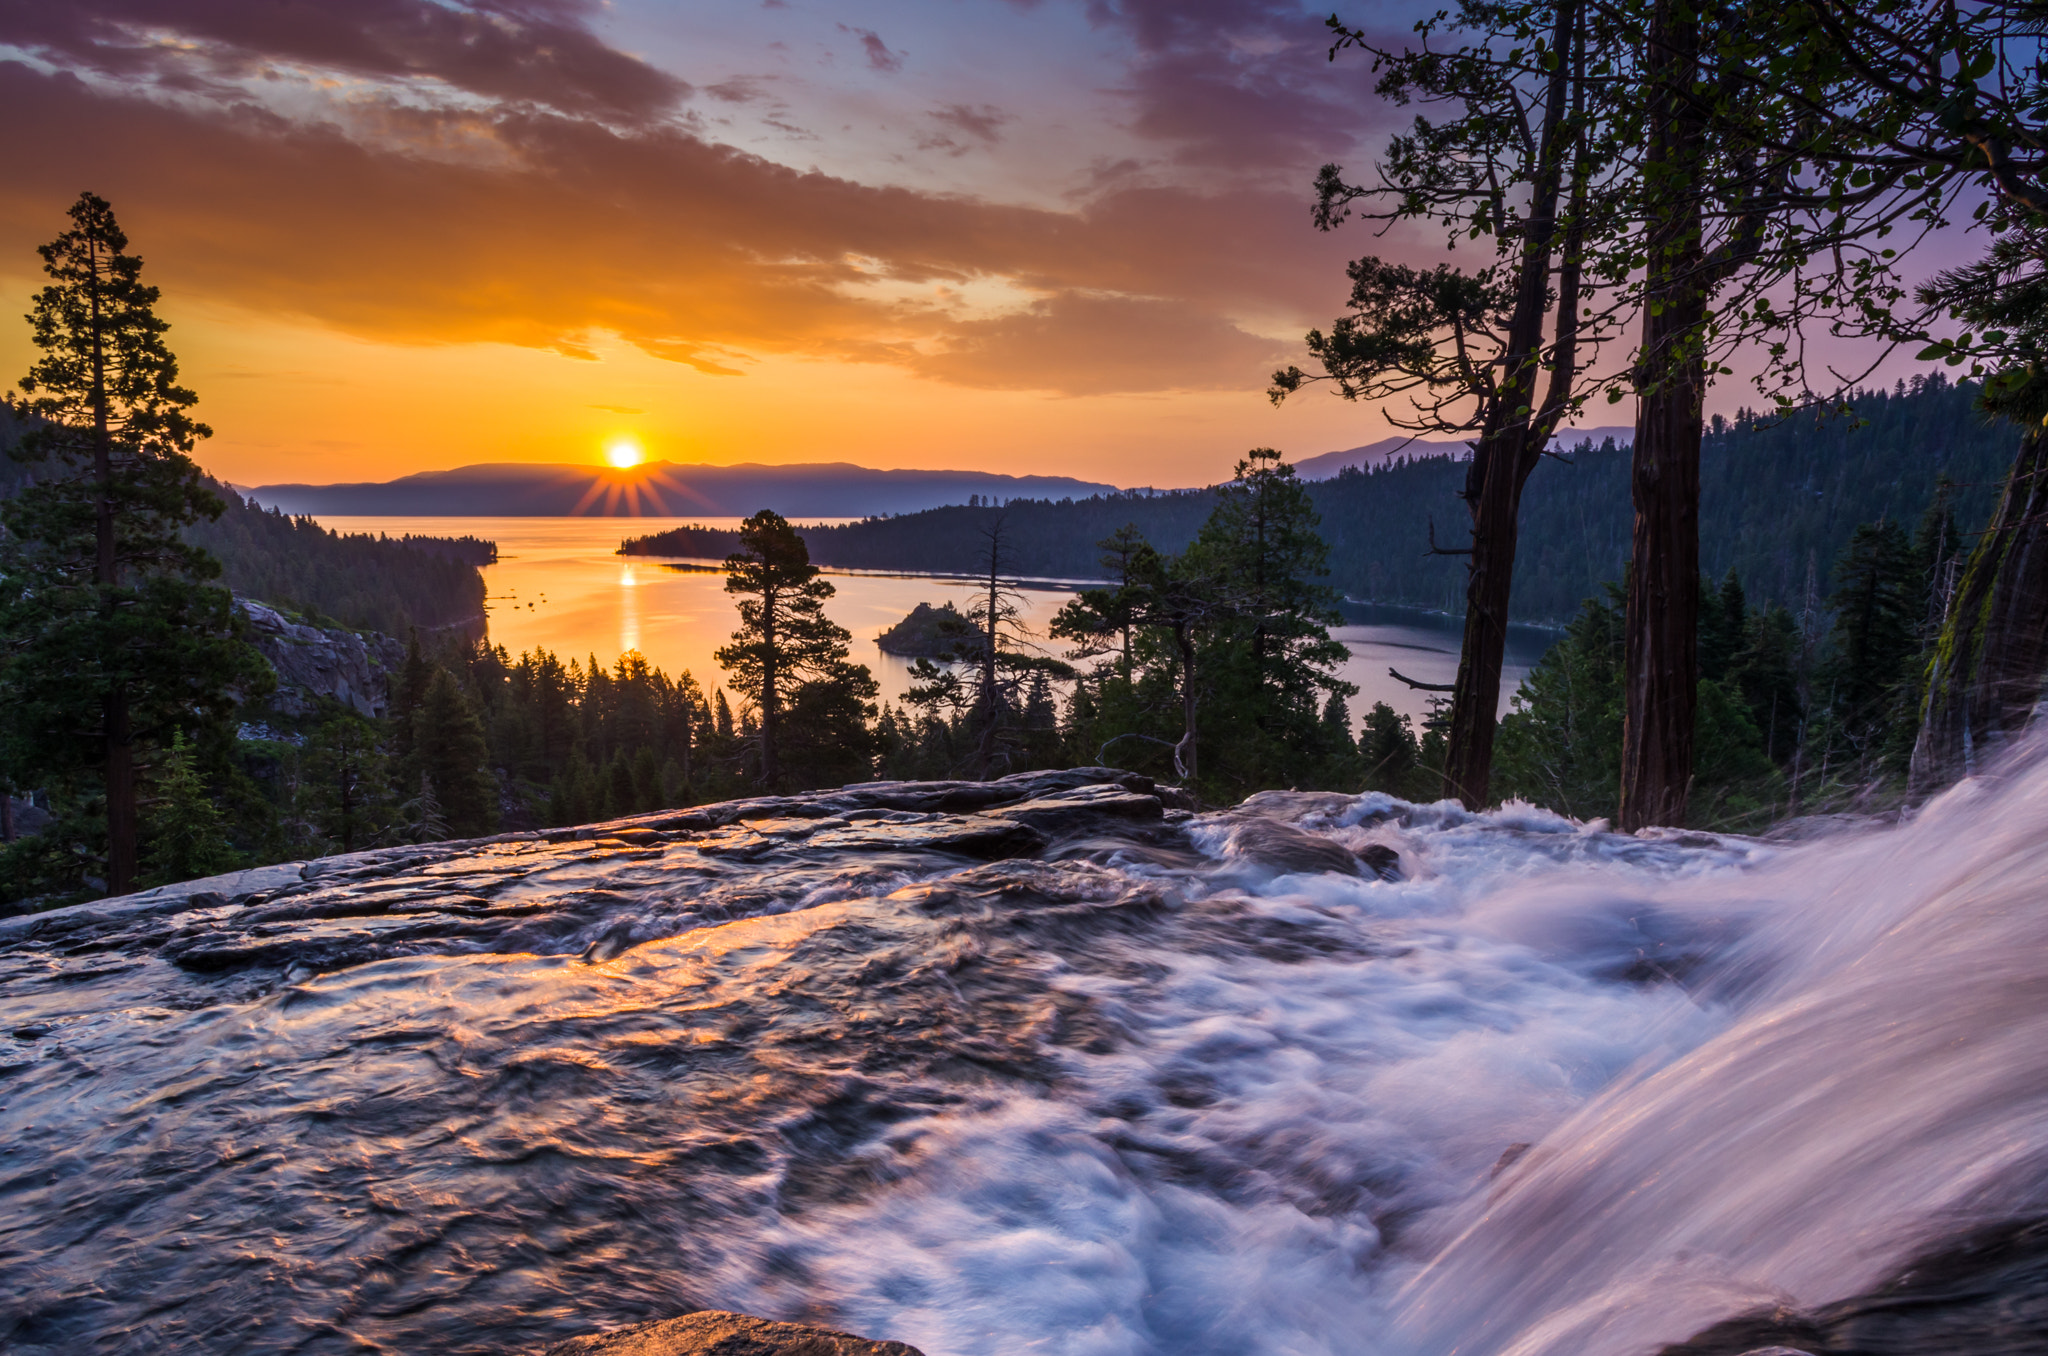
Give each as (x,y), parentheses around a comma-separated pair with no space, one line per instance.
(1389,751)
(346,774)
(788,655)
(187,836)
(449,752)
(424,822)
(1877,614)
(113,637)
(1271,664)
(1767,671)
(1560,746)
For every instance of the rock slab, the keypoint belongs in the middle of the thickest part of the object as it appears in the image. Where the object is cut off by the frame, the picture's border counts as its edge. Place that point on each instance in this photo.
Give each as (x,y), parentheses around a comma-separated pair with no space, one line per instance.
(713,1332)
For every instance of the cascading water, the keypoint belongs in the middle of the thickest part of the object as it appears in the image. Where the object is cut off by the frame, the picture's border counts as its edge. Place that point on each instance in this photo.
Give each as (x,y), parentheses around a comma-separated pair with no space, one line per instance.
(1030,1068)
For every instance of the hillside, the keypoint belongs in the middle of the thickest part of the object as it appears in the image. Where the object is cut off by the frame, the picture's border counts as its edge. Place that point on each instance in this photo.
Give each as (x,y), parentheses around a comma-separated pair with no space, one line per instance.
(1775,497)
(368,583)
(665,489)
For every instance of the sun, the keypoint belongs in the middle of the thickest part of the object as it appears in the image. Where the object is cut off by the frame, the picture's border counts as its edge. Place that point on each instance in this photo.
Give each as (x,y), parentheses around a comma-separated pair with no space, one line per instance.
(623,452)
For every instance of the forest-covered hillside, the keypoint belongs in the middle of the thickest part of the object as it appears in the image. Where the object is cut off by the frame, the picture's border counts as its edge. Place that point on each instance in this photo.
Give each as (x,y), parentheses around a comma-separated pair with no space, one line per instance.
(369,583)
(1775,496)
(387,584)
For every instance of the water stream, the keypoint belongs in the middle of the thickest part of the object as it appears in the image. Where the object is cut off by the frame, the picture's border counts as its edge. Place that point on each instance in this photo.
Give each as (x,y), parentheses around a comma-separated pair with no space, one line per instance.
(1050,1068)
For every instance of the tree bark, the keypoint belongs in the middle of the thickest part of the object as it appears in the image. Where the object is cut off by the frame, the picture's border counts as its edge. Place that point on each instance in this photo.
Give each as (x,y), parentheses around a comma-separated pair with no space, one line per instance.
(120,773)
(771,698)
(1662,642)
(1494,492)
(1184,752)
(1508,449)
(1986,673)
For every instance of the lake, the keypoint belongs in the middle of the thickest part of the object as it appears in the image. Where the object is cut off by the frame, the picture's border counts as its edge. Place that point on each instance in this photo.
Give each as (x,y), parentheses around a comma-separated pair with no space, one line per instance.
(559,586)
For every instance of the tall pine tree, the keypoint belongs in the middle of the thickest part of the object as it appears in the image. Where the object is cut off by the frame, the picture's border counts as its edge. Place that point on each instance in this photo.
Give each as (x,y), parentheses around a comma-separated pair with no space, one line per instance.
(113,636)
(790,659)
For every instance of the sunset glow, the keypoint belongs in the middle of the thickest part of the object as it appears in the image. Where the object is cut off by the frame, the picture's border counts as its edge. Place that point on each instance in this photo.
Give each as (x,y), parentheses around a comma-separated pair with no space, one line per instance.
(934,244)
(623,452)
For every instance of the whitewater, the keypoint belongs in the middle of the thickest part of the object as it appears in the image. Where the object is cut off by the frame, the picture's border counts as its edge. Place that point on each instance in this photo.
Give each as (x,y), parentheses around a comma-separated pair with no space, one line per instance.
(1039,1066)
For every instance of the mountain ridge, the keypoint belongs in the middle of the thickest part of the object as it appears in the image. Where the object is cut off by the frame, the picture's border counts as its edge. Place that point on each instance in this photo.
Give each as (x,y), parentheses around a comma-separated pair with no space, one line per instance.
(662,489)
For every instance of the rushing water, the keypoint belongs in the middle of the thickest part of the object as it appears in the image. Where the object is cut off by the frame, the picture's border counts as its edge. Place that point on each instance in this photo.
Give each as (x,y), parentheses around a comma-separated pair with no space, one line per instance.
(559,586)
(1068,1077)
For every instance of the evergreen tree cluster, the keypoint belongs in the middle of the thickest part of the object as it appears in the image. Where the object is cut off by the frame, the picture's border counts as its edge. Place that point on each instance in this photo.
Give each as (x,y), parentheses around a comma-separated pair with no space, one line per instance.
(1215,665)
(365,582)
(1798,710)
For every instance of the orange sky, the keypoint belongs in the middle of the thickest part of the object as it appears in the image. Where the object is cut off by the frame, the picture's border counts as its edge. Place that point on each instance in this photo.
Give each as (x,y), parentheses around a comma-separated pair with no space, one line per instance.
(398,235)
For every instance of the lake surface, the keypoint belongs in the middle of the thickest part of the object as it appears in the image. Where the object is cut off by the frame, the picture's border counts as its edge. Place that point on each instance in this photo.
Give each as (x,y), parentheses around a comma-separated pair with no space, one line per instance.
(559,586)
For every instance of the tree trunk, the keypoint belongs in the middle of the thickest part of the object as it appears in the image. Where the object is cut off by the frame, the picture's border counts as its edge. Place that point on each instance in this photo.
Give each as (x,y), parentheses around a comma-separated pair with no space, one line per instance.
(771,699)
(120,774)
(1662,642)
(1494,491)
(1517,430)
(1986,674)
(1184,752)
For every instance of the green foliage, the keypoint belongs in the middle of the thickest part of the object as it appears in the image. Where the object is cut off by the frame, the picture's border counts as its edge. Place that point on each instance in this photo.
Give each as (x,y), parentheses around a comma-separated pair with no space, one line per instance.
(346,782)
(1216,665)
(186,835)
(790,659)
(113,636)
(1879,599)
(105,368)
(450,755)
(370,583)
(1394,761)
(1560,745)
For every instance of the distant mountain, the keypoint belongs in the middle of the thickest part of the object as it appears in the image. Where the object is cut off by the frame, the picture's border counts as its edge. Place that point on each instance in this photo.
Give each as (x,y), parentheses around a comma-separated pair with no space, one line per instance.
(1388,451)
(665,489)
(1382,453)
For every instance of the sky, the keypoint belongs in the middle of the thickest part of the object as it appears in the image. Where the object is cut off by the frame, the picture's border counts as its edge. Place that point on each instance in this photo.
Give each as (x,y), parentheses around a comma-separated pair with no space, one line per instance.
(1044,236)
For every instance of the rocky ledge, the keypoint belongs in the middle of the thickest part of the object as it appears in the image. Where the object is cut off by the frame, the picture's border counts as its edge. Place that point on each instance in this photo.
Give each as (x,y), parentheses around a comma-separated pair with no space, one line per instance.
(561,892)
(715,1333)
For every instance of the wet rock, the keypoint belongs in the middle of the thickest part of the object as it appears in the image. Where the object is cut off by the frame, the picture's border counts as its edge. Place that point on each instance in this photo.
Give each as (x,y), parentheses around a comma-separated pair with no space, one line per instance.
(1288,850)
(1083,808)
(714,1333)
(1508,1158)
(1381,860)
(1981,1293)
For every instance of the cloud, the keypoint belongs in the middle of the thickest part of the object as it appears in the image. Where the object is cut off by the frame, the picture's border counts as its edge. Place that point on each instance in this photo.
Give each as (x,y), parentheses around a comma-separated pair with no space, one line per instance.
(550,222)
(1078,344)
(981,126)
(537,51)
(1244,86)
(619,409)
(984,122)
(879,56)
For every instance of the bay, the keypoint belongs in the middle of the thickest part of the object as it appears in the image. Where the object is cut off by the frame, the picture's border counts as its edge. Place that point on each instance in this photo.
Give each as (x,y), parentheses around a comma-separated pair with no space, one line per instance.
(560,585)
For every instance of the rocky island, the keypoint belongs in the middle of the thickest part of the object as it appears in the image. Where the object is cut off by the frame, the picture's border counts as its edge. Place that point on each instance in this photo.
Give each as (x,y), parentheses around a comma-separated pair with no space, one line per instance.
(932,633)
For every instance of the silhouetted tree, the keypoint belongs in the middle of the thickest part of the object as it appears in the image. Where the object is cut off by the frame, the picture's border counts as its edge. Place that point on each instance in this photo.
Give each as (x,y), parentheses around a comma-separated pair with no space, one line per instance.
(113,638)
(786,647)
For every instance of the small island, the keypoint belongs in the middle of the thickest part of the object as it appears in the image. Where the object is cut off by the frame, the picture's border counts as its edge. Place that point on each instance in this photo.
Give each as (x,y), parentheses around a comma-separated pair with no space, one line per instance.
(932,633)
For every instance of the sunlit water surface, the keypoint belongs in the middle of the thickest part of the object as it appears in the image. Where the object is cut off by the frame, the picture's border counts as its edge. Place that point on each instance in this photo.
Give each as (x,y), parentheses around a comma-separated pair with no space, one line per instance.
(559,586)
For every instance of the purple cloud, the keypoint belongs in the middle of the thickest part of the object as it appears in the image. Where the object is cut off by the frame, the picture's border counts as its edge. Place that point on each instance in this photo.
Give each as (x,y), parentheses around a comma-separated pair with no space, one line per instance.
(534,51)
(879,55)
